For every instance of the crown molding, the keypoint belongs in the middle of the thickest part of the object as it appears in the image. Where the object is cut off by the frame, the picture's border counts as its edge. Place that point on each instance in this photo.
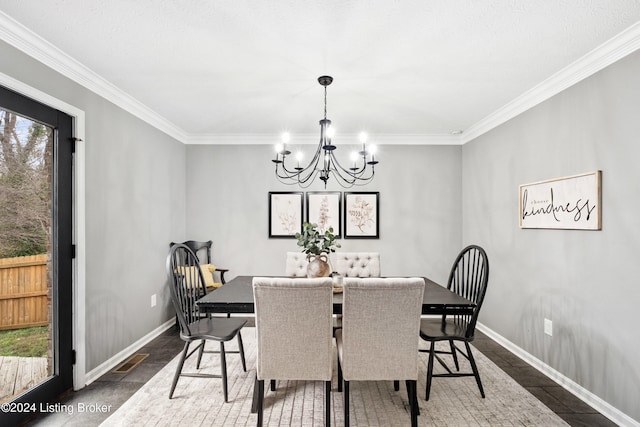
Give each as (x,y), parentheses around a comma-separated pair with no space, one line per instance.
(602,56)
(308,139)
(25,40)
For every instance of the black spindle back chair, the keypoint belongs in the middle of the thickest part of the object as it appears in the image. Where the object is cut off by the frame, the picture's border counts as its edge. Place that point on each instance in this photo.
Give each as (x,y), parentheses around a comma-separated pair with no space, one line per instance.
(468,278)
(186,285)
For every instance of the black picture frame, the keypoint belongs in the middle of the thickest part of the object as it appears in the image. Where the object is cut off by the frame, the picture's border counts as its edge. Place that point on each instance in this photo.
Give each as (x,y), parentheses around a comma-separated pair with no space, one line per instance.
(361,217)
(324,208)
(285,214)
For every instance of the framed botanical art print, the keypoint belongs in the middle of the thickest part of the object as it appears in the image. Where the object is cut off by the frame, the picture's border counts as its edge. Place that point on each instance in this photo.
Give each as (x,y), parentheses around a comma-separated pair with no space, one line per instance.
(285,214)
(361,215)
(323,209)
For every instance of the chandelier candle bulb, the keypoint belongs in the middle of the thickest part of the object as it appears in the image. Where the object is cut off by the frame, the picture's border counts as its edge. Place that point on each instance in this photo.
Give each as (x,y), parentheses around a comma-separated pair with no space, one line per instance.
(278,151)
(354,159)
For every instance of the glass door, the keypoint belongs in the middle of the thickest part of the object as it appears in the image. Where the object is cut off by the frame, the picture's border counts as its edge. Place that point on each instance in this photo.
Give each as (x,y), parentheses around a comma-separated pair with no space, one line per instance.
(36,255)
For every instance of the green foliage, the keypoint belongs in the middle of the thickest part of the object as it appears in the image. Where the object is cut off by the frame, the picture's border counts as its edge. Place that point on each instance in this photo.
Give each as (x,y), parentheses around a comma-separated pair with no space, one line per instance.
(315,243)
(26,342)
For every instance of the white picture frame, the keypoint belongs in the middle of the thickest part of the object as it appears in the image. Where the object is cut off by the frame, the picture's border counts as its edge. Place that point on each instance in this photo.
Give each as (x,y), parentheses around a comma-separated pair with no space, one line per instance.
(568,203)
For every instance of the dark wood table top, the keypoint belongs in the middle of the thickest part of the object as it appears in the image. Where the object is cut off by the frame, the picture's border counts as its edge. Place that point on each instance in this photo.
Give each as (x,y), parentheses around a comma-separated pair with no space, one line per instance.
(236,296)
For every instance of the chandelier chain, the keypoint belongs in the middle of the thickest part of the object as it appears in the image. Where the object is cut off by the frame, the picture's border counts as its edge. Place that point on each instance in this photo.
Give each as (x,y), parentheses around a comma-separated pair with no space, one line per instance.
(325,102)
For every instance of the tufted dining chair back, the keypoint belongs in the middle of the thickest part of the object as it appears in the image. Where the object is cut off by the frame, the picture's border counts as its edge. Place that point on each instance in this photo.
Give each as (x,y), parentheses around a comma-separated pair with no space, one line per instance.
(357,264)
(378,340)
(294,334)
(296,264)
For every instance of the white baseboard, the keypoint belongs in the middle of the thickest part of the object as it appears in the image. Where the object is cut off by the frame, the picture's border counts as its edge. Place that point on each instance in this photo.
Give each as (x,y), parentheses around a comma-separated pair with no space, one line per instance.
(574,388)
(118,358)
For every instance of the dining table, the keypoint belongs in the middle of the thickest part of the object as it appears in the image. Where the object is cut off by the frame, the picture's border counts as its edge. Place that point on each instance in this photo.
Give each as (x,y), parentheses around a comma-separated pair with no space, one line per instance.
(236,296)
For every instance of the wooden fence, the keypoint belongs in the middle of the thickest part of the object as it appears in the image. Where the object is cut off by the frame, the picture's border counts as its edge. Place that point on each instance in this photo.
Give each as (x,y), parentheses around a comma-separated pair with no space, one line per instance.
(24,292)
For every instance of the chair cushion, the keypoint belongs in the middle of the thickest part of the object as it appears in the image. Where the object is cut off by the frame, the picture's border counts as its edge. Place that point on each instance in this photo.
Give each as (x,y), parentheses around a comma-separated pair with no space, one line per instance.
(207,274)
(358,264)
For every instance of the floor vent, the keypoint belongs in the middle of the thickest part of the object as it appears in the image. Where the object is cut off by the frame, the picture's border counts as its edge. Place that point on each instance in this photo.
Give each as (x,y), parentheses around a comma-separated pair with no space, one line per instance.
(130,363)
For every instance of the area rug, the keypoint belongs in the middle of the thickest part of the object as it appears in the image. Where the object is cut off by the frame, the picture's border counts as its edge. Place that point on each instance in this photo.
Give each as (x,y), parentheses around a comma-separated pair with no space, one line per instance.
(453,401)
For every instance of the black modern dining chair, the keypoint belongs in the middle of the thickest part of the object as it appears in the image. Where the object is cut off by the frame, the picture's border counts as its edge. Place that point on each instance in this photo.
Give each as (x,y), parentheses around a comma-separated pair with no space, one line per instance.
(186,284)
(468,278)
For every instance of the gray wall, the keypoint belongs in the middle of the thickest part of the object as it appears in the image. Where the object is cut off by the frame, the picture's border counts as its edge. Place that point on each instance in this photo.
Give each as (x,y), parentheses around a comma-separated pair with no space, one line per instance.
(584,281)
(135,205)
(420,215)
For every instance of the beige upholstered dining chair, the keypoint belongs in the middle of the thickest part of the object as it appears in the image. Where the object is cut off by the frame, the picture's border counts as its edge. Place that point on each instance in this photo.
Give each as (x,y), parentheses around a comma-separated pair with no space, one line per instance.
(296,265)
(379,336)
(357,264)
(294,333)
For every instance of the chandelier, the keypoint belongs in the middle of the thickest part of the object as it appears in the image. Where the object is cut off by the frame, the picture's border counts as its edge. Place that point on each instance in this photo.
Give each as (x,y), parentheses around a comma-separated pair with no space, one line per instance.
(324,163)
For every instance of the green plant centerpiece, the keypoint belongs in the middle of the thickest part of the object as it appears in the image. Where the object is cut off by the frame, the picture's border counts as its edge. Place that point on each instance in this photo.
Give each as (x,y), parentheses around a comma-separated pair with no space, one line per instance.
(317,246)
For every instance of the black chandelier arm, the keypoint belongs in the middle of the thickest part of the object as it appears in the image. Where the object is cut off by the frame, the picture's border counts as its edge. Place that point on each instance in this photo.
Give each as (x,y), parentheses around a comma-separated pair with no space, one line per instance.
(349,177)
(302,171)
(292,180)
(348,183)
(355,171)
(301,176)
(298,176)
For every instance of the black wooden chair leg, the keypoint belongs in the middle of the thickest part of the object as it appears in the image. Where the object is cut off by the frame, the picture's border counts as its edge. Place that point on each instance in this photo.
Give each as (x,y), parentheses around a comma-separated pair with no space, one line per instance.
(346,403)
(412,395)
(241,350)
(200,353)
(179,369)
(472,361)
(259,385)
(396,385)
(327,403)
(272,385)
(454,354)
(254,401)
(430,369)
(223,366)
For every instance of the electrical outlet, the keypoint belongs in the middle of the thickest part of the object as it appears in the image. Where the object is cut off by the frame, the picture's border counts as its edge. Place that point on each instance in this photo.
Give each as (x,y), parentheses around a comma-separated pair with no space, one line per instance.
(548,327)
(153,300)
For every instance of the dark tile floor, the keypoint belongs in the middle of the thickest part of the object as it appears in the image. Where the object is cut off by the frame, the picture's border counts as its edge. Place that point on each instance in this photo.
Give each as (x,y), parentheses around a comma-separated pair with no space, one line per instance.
(568,407)
(114,389)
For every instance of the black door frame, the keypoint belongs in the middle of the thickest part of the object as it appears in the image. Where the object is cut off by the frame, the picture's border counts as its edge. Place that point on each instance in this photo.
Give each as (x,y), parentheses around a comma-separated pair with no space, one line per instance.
(28,404)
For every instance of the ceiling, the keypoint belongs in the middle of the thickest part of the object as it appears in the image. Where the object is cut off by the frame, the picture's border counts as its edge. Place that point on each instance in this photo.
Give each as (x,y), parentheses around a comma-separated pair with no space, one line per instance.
(215,69)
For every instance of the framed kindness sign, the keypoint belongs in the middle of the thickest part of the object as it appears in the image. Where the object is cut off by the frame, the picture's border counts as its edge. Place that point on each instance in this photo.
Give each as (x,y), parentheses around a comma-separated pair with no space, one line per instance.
(569,203)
